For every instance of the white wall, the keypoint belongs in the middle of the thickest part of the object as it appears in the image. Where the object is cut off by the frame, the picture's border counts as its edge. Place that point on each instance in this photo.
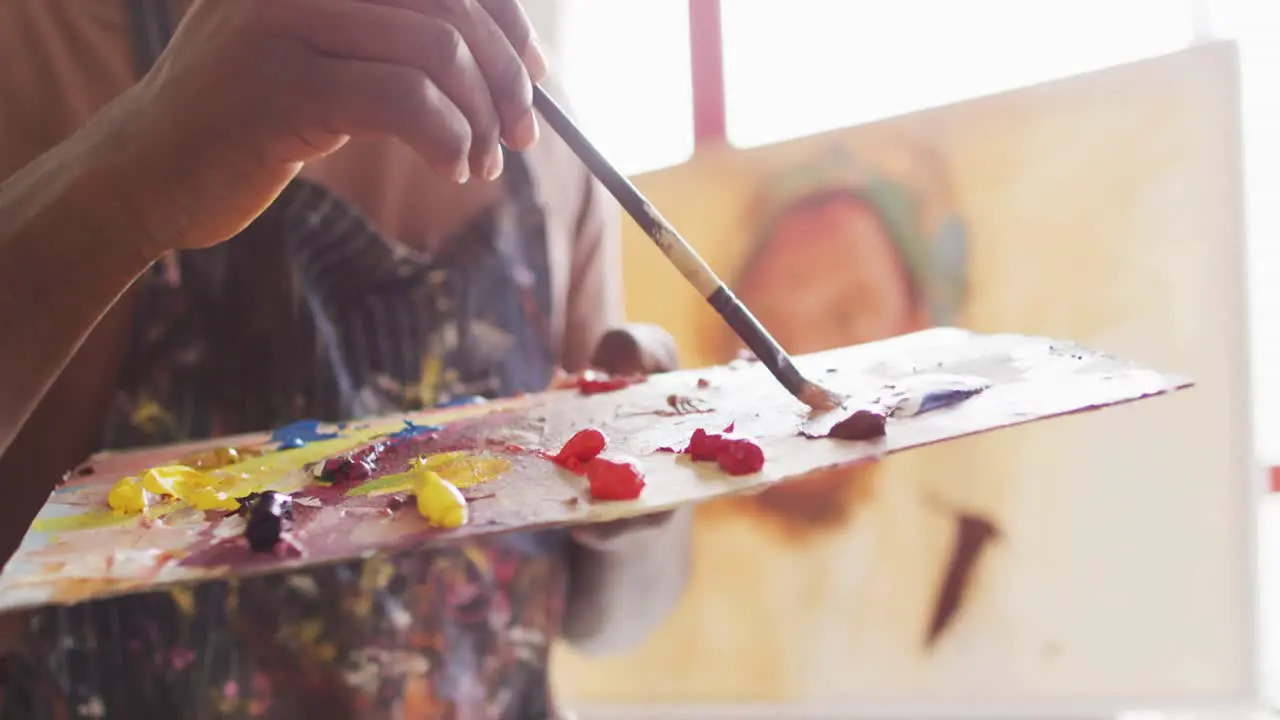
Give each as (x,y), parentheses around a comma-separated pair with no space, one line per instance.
(545,16)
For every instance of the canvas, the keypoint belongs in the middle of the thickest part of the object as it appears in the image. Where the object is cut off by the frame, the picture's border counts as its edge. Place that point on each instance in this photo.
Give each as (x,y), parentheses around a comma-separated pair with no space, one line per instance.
(1101,560)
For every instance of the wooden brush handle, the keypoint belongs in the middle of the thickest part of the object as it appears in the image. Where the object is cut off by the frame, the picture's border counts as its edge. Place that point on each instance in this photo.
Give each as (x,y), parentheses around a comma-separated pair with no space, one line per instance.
(683,256)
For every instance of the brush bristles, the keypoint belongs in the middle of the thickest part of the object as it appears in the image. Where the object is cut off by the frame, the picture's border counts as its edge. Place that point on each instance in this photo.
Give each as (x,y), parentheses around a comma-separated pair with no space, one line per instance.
(820,398)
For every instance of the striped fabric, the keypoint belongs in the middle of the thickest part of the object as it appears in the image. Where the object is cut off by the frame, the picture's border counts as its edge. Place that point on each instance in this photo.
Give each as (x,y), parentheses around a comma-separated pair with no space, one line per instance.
(309,313)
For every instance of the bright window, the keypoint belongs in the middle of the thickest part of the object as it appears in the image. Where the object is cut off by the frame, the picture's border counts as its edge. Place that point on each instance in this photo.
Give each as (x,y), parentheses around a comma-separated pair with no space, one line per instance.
(625,69)
(805,66)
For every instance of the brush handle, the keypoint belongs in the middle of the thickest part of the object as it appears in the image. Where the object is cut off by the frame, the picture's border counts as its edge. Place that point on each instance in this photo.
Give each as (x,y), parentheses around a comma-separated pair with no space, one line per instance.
(674,247)
(685,258)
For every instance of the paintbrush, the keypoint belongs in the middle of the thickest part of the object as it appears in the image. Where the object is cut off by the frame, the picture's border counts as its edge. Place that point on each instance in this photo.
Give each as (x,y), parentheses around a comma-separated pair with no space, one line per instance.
(687,261)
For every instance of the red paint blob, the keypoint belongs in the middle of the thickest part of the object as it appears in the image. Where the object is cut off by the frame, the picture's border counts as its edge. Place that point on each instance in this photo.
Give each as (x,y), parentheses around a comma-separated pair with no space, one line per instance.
(740,456)
(581,449)
(735,455)
(356,466)
(611,480)
(593,382)
(704,446)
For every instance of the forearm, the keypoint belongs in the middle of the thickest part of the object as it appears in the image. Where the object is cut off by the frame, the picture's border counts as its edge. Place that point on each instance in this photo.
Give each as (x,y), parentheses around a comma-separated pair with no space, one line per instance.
(68,248)
(618,595)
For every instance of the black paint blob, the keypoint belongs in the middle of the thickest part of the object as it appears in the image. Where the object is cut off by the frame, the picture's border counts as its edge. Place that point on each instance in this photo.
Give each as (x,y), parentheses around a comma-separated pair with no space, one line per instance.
(267,516)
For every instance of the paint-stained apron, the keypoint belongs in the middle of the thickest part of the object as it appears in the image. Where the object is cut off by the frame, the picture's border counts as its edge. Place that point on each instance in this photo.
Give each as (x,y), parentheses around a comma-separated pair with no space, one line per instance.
(309,313)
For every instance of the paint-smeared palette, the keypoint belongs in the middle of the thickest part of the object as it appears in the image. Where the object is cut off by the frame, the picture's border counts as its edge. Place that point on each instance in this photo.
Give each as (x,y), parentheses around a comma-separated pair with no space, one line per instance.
(944,383)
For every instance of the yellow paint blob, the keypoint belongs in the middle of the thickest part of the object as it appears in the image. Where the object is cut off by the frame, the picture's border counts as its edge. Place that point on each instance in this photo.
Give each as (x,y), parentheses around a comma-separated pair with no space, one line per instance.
(469,472)
(439,501)
(196,488)
(218,457)
(431,462)
(126,497)
(458,468)
(166,480)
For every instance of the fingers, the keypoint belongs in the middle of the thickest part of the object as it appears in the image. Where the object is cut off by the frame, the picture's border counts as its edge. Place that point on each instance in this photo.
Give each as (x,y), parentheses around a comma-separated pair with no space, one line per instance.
(636,349)
(509,15)
(456,51)
(356,97)
(383,34)
(508,81)
(611,535)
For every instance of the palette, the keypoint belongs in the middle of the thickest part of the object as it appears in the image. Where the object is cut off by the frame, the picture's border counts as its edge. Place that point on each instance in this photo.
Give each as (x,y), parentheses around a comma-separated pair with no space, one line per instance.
(79,549)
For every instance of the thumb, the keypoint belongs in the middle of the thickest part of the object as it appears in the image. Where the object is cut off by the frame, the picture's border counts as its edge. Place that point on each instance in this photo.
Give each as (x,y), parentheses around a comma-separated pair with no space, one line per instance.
(636,349)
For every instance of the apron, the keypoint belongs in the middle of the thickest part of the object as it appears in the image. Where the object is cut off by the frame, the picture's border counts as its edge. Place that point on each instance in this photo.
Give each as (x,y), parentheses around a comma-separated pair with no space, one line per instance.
(309,313)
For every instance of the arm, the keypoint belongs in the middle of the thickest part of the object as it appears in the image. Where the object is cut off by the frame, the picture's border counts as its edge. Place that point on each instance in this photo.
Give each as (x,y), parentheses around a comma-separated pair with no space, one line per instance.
(624,577)
(594,303)
(244,94)
(624,582)
(69,247)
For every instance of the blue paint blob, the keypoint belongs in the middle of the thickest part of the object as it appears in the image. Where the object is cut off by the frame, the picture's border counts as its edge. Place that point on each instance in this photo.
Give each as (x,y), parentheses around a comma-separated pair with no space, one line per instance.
(412,430)
(920,394)
(297,434)
(943,398)
(463,400)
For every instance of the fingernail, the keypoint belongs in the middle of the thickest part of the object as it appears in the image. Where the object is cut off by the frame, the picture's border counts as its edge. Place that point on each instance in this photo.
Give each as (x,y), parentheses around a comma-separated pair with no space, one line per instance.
(461,171)
(493,163)
(526,132)
(535,61)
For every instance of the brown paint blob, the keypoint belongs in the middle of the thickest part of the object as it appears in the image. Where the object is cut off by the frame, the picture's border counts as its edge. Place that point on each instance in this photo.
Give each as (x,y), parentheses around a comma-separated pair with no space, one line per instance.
(683,405)
(861,425)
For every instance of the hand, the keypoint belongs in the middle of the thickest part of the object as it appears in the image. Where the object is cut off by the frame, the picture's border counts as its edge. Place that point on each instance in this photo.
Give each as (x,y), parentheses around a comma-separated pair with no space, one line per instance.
(248,91)
(623,535)
(634,349)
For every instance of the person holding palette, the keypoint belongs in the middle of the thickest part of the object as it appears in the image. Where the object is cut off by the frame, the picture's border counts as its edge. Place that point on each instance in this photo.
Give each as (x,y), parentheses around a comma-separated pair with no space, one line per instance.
(294,209)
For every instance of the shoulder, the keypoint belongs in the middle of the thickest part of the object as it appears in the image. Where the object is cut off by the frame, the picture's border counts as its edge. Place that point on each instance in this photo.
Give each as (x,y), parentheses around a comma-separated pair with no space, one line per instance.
(63,60)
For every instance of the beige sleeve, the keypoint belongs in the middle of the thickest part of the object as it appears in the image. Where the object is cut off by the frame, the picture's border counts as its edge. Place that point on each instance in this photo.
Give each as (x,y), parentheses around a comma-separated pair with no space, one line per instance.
(595,295)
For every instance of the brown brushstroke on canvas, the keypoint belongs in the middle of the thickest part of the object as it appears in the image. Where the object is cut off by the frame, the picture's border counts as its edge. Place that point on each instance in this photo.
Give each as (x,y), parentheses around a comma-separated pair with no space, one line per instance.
(973,534)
